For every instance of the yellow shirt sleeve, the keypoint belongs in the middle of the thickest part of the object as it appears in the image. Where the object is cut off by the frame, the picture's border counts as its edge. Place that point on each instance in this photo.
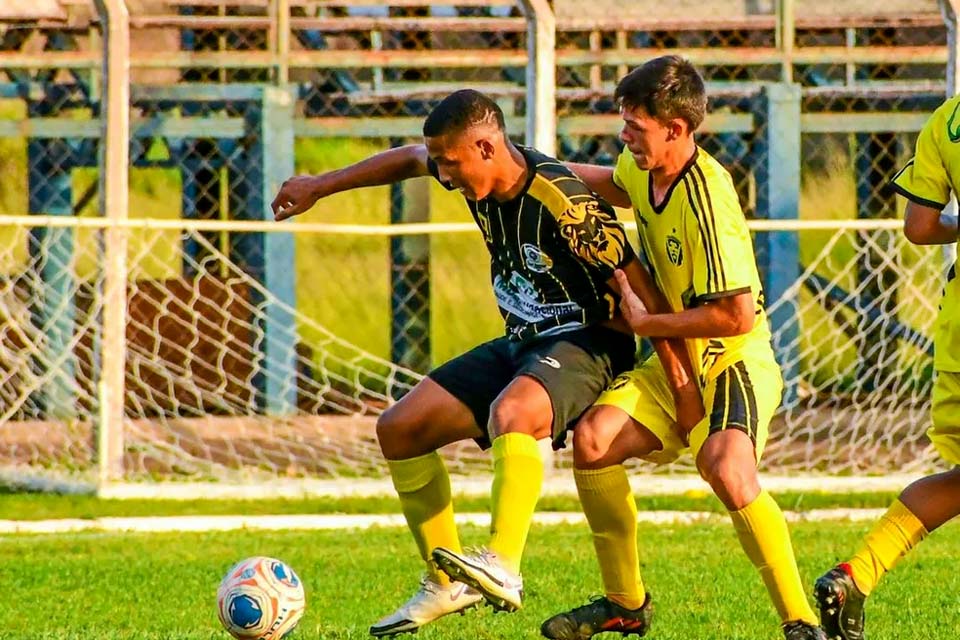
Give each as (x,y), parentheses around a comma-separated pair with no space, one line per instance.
(924,179)
(621,171)
(722,251)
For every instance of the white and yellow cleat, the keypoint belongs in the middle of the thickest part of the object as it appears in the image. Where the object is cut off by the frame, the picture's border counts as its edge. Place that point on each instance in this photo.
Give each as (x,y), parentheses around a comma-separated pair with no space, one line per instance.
(482,570)
(431,601)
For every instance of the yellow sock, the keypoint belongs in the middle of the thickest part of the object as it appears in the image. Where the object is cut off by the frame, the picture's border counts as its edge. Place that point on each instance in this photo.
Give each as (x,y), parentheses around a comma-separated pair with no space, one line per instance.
(765,539)
(897,532)
(612,513)
(424,489)
(517,477)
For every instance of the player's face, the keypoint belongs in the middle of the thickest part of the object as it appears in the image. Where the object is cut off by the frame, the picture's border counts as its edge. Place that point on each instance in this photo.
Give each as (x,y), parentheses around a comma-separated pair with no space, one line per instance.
(647,138)
(463,162)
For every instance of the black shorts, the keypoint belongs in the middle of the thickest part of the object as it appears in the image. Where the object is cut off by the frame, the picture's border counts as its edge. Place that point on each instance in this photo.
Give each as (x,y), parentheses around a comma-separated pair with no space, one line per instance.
(574,367)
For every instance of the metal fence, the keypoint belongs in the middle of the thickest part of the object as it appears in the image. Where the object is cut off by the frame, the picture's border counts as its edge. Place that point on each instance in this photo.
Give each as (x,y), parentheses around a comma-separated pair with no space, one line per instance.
(198,109)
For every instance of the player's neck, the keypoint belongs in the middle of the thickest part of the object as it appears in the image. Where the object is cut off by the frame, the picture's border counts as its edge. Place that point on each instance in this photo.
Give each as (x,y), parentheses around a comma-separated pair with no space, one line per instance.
(673,164)
(511,176)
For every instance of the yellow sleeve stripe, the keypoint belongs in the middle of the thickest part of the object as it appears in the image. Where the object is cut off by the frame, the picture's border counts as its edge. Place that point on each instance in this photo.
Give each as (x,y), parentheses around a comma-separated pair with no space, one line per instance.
(701,180)
(702,206)
(550,195)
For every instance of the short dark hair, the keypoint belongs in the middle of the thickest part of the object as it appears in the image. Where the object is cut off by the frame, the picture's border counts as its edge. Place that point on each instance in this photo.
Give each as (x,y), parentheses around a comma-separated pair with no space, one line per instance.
(667,87)
(460,110)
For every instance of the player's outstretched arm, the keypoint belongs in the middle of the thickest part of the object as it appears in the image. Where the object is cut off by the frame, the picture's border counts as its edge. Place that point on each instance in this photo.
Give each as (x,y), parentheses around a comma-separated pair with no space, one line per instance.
(927,225)
(299,193)
(600,180)
(639,294)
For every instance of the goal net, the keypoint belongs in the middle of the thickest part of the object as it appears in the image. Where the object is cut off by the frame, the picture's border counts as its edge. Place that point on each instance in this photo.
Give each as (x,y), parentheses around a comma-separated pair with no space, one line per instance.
(853,333)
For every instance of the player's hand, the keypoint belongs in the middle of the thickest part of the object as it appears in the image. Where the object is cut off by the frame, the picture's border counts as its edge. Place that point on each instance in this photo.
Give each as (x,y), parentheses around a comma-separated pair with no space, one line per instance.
(296,195)
(631,307)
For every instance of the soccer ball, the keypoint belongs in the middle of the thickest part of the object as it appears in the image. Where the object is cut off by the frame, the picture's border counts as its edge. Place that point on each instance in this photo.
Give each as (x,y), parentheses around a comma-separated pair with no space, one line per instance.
(260,599)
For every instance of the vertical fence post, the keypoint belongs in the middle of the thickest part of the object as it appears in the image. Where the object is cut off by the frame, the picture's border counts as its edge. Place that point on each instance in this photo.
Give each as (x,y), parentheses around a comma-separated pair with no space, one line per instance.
(54,308)
(786,35)
(279,268)
(778,198)
(541,76)
(410,276)
(114,168)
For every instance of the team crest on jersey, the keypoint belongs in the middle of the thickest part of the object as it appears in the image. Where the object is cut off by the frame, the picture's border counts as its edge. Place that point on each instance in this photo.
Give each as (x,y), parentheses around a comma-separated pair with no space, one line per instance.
(535,259)
(674,250)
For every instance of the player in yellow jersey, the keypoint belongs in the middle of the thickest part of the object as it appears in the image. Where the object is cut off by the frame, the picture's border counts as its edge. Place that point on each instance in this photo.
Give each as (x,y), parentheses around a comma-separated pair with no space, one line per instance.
(696,242)
(926,182)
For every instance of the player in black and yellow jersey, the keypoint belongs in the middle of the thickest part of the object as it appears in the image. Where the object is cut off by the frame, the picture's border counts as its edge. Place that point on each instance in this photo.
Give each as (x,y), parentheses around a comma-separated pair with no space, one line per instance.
(553,248)
(695,238)
(926,182)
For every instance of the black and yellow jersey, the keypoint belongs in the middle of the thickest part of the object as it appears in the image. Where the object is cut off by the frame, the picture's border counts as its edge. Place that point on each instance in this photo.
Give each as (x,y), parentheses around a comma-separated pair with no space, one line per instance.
(552,250)
(698,249)
(928,179)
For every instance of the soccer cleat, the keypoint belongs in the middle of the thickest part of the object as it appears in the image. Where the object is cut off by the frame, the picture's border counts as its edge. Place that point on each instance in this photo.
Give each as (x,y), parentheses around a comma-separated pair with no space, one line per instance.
(841,604)
(803,631)
(431,601)
(599,616)
(482,570)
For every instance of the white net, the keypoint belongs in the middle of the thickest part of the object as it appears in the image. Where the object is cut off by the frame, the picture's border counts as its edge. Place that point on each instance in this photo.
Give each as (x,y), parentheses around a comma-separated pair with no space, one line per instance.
(856,351)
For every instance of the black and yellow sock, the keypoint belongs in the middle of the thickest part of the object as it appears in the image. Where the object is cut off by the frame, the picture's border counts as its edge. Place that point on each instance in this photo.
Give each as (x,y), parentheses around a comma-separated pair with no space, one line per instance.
(424,489)
(764,537)
(517,478)
(892,537)
(611,510)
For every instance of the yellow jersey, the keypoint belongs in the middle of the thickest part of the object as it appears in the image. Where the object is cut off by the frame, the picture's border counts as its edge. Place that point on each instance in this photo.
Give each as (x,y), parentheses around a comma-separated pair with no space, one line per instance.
(698,248)
(927,179)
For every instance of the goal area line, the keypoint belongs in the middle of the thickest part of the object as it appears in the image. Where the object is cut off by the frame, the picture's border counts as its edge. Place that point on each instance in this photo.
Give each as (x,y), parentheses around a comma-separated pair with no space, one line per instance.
(180,524)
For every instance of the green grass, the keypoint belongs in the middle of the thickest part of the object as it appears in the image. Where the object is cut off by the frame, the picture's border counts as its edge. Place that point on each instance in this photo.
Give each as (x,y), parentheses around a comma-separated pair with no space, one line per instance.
(157,587)
(25,506)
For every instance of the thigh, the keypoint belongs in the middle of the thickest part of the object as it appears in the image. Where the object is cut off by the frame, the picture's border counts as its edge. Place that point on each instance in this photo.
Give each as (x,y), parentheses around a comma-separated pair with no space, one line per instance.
(425,419)
(744,396)
(573,370)
(644,395)
(476,378)
(606,436)
(945,432)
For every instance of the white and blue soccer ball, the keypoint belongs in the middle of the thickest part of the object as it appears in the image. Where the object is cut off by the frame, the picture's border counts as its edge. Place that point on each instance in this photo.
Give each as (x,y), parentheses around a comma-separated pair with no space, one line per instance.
(260,599)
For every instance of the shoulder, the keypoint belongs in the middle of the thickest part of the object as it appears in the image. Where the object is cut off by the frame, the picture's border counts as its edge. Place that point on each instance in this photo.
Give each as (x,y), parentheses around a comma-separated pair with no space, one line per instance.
(946,111)
(708,181)
(554,185)
(627,174)
(943,126)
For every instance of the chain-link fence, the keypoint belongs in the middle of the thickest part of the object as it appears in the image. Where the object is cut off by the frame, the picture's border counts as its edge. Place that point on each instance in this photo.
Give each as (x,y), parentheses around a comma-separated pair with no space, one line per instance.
(812,111)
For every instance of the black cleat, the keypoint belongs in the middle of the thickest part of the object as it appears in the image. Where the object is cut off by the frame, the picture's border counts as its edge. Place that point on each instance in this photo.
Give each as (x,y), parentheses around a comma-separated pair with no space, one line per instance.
(803,631)
(599,616)
(841,604)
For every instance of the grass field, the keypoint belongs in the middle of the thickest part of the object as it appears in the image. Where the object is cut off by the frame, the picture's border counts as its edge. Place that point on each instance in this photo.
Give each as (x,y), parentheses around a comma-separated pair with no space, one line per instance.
(141,586)
(27,506)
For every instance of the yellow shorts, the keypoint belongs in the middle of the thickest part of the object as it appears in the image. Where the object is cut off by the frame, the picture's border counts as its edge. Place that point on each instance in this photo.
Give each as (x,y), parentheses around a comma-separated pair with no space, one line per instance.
(945,432)
(743,396)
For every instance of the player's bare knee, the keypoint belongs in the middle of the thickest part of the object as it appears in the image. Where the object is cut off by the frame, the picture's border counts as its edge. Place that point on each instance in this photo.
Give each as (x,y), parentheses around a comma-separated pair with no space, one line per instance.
(590,448)
(509,414)
(732,478)
(396,430)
